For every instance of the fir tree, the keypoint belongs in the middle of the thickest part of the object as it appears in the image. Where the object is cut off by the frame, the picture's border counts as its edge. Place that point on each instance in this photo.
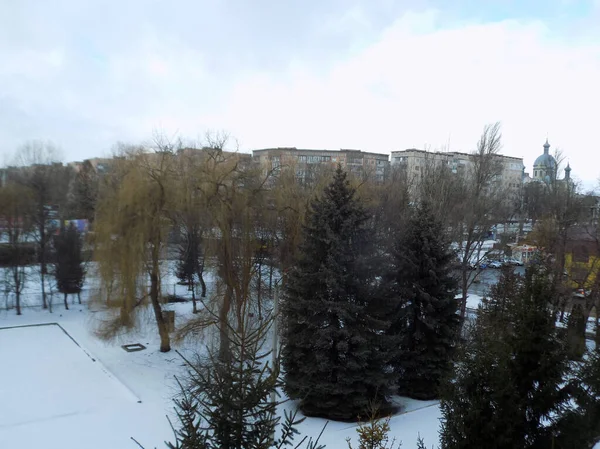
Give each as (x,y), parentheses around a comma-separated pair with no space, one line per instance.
(580,426)
(228,405)
(336,353)
(425,317)
(507,389)
(190,265)
(576,333)
(69,271)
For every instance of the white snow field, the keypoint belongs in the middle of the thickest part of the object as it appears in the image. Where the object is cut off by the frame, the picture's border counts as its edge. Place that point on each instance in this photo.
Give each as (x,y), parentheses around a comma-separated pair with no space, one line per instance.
(55,394)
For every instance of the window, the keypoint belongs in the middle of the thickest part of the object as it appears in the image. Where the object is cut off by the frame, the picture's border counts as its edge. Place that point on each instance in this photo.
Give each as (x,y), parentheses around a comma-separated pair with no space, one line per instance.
(313,159)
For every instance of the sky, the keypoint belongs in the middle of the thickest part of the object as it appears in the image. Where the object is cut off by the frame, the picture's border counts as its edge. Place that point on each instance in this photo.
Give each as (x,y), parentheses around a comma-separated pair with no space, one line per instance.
(375,75)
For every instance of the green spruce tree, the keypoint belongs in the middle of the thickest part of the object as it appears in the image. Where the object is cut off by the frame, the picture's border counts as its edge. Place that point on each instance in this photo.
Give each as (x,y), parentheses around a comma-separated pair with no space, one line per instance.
(190,265)
(580,425)
(69,270)
(229,404)
(336,353)
(508,386)
(425,318)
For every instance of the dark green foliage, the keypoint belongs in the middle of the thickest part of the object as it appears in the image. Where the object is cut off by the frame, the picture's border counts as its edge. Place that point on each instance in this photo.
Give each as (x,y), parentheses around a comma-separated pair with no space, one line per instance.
(190,265)
(507,389)
(69,271)
(425,318)
(580,427)
(576,333)
(189,435)
(227,405)
(336,352)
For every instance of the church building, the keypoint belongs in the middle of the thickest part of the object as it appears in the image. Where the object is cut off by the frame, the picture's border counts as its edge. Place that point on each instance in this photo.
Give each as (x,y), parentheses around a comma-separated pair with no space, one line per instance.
(545,169)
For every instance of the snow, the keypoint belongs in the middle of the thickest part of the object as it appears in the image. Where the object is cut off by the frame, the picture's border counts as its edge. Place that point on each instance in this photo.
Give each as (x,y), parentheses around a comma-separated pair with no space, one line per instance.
(418,418)
(473,301)
(74,391)
(54,395)
(60,393)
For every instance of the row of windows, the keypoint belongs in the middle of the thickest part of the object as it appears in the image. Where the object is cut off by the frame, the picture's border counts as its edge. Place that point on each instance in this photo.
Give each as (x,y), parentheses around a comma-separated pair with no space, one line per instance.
(314,159)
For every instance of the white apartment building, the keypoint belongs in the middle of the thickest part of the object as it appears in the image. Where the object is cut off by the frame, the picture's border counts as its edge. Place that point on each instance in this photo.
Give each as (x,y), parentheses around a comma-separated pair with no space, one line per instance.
(414,161)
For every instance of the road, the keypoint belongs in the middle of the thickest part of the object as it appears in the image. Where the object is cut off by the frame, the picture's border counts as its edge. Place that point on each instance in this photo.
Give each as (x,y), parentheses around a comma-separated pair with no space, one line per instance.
(486,278)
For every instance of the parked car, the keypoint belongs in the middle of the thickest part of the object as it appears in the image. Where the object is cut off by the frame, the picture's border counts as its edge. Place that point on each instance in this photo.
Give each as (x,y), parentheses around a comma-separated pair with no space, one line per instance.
(495,264)
(581,293)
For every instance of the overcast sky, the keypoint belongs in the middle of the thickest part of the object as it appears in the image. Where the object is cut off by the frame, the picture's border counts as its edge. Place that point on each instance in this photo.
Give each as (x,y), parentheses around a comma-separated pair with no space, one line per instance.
(376,75)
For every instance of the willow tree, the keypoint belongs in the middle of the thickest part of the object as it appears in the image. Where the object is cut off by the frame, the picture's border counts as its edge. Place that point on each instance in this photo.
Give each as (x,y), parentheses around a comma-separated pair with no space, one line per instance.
(232,190)
(190,219)
(132,224)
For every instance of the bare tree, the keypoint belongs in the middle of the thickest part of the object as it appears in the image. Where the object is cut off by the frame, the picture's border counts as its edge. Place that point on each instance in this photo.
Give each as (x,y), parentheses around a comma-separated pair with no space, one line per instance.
(16,207)
(232,190)
(190,219)
(482,206)
(85,192)
(48,180)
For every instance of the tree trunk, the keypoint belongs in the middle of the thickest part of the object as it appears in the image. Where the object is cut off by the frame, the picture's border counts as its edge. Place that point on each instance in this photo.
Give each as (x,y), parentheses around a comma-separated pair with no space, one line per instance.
(224,350)
(165,340)
(18,302)
(66,303)
(79,297)
(42,276)
(597,331)
(194,307)
(259,292)
(201,279)
(43,268)
(464,286)
(270,279)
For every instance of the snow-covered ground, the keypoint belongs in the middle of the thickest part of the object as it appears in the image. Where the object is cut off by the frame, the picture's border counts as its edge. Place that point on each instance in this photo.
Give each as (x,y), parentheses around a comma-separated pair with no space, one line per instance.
(61,387)
(59,394)
(60,391)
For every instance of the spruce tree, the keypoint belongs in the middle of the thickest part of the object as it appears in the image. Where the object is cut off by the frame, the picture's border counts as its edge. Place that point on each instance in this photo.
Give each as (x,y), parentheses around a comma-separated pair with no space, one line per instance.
(229,405)
(580,426)
(425,317)
(336,352)
(68,270)
(190,264)
(507,388)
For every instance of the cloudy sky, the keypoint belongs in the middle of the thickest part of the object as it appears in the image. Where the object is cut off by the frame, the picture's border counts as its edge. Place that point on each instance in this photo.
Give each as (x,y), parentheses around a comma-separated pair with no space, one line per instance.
(377,75)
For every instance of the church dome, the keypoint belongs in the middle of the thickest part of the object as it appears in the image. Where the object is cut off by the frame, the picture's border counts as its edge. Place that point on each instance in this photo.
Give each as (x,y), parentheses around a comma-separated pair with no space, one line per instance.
(545,160)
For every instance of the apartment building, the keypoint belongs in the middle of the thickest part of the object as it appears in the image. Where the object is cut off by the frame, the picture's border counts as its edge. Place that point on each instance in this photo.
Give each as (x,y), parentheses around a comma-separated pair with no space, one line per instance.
(305,161)
(415,162)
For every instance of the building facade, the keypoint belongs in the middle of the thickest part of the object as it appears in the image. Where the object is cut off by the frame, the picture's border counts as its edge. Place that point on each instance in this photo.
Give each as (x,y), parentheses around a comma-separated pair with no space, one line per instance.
(305,162)
(415,162)
(545,168)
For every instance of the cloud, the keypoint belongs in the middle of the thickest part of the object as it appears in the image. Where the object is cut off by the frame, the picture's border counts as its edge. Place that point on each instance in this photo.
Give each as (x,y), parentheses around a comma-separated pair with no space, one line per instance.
(421,84)
(363,74)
